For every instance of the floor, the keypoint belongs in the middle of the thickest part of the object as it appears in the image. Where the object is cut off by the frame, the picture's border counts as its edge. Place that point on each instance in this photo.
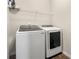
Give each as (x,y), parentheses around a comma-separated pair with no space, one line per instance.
(60,56)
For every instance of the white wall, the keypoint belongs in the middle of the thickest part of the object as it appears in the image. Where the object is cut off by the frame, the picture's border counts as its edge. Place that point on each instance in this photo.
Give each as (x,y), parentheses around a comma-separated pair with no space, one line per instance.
(61,18)
(23,17)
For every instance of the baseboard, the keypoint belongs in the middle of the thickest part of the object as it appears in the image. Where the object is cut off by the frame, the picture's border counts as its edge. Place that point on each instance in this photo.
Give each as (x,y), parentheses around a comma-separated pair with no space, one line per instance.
(12,53)
(68,55)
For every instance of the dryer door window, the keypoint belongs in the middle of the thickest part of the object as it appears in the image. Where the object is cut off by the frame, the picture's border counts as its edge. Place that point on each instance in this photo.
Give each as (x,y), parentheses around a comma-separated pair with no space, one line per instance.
(54,39)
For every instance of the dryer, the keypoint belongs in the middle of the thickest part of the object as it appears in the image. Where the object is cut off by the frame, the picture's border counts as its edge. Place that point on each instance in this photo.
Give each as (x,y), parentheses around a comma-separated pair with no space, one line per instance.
(54,38)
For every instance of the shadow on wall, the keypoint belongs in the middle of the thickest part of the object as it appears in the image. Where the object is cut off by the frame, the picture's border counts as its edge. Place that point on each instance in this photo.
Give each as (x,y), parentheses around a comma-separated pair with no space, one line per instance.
(12,46)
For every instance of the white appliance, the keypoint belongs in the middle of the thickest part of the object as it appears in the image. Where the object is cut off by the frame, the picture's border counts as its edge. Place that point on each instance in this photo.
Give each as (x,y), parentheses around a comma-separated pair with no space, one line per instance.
(30,42)
(53,41)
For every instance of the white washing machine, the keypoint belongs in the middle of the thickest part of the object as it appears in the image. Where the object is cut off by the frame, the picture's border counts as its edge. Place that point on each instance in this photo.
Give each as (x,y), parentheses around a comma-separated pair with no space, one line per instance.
(54,38)
(30,42)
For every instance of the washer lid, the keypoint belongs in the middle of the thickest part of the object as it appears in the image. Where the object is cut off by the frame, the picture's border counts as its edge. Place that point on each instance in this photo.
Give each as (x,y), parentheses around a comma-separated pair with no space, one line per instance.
(29,28)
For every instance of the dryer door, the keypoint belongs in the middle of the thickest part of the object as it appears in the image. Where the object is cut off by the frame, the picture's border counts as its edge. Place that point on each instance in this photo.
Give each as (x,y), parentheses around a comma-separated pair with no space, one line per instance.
(54,39)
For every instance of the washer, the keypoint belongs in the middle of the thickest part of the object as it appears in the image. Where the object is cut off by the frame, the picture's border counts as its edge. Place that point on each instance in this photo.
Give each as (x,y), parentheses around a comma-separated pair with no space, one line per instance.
(30,42)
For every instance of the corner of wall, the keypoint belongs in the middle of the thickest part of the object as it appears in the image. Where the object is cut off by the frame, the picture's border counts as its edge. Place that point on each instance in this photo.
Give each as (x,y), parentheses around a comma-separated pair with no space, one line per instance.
(67,54)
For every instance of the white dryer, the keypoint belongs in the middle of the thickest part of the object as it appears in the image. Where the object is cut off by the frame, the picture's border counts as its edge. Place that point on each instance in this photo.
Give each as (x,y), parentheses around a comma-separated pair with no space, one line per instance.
(30,42)
(54,38)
